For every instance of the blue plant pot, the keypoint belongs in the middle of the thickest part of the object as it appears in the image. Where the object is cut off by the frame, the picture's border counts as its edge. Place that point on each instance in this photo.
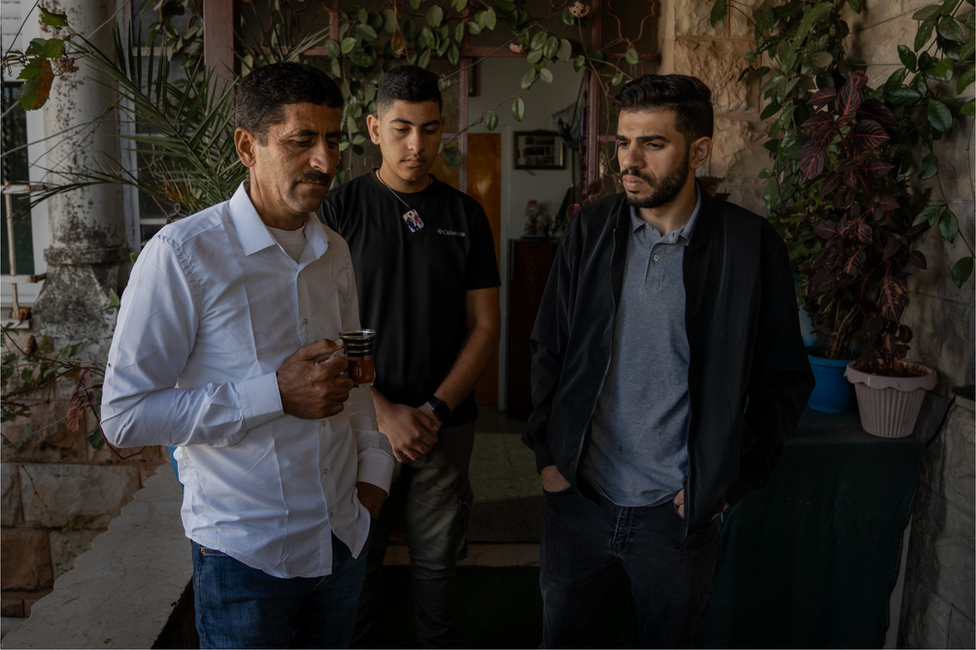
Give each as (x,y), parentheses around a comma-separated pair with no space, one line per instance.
(833,393)
(172,461)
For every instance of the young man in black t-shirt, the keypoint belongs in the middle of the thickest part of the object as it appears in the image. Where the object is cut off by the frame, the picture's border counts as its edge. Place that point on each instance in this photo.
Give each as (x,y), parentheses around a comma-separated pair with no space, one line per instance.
(428,284)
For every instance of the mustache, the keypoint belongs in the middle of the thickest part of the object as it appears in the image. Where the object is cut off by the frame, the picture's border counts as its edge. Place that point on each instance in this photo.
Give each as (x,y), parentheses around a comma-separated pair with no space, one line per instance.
(313,176)
(633,171)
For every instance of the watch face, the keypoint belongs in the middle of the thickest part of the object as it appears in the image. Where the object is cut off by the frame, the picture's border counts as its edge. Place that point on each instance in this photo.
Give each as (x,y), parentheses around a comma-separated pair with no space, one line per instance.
(440,410)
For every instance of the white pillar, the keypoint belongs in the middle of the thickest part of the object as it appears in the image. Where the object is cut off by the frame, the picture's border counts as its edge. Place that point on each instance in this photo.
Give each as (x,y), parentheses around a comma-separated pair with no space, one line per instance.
(88,253)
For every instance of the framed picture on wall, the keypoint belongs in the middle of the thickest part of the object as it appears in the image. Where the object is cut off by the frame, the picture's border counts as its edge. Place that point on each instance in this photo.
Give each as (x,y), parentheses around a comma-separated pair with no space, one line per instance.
(538,150)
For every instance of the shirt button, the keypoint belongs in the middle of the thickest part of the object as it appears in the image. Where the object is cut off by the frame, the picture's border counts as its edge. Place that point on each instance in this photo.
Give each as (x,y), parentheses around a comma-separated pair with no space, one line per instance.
(304,321)
(657,258)
(325,470)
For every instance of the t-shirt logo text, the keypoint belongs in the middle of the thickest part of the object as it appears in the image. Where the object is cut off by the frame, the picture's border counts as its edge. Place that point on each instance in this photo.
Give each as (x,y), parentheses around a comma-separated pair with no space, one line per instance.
(454,233)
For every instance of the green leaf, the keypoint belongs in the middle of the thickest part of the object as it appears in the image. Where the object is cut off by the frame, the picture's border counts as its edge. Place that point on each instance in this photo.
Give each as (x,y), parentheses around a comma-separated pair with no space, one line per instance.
(491,121)
(939,116)
(491,19)
(538,41)
(332,49)
(349,44)
(969,108)
(361,59)
(930,167)
(908,58)
(579,62)
(962,270)
(335,69)
(719,11)
(928,215)
(565,50)
(505,6)
(632,57)
(453,54)
(903,96)
(568,18)
(415,4)
(926,12)
(528,78)
(424,59)
(551,47)
(765,173)
(949,29)
(366,32)
(53,49)
(766,20)
(459,5)
(617,78)
(941,71)
(948,225)
(389,21)
(770,110)
(821,10)
(434,16)
(410,31)
(53,19)
(855,5)
(534,56)
(966,80)
(966,51)
(546,75)
(518,109)
(821,59)
(924,32)
(452,156)
(474,28)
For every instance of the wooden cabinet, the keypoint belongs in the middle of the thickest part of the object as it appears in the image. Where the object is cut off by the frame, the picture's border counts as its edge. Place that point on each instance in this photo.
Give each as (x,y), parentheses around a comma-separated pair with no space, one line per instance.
(530,263)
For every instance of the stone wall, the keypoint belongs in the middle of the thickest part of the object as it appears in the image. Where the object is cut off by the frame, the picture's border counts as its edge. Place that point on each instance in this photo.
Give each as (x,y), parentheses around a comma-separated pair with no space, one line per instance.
(58,494)
(689,45)
(939,601)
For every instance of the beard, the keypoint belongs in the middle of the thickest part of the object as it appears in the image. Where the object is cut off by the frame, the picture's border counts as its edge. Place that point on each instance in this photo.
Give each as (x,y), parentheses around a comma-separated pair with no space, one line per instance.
(665,191)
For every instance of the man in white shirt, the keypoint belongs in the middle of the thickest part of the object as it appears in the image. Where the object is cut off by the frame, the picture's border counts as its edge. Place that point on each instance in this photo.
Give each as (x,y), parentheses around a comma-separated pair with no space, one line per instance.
(223,348)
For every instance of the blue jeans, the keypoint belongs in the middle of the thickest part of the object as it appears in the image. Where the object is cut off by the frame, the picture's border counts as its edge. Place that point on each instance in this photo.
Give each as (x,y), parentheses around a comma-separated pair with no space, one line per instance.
(671,578)
(241,607)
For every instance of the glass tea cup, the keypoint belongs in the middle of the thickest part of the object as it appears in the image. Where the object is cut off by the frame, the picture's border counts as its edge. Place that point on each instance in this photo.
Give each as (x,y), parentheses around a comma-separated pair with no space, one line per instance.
(357,348)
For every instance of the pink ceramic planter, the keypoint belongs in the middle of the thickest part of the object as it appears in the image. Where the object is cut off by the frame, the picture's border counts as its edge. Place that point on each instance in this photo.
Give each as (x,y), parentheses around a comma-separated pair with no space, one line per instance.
(889,406)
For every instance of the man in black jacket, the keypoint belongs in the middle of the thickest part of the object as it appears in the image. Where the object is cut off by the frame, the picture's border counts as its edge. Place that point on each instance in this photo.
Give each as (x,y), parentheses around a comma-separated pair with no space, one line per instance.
(667,372)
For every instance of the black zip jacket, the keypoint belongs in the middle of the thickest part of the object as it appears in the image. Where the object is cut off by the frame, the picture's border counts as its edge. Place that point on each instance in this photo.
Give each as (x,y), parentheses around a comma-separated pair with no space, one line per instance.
(748,377)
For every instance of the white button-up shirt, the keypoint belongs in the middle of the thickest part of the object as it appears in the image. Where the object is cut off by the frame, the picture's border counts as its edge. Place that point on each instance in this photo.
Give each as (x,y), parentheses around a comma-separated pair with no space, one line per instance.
(212,309)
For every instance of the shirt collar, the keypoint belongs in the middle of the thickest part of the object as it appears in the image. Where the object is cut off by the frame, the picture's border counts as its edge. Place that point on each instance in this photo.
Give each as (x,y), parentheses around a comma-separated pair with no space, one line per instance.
(684,232)
(254,234)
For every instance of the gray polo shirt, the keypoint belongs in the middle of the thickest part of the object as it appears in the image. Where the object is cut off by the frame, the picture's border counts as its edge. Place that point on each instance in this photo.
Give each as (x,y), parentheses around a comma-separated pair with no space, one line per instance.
(638,454)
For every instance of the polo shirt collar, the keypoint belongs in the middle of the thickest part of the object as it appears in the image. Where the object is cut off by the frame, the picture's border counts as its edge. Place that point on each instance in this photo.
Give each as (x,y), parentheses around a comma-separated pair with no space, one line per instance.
(684,232)
(254,234)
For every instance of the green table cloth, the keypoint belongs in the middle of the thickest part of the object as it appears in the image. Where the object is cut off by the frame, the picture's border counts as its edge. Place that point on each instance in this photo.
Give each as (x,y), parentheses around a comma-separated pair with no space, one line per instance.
(810,560)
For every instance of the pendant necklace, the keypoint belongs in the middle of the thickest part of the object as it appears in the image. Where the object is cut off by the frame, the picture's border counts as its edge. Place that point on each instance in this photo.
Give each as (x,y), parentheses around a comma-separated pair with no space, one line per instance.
(410,217)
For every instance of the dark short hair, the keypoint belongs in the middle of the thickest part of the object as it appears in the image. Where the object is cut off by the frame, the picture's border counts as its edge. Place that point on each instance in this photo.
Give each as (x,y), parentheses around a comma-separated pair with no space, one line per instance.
(408,83)
(263,93)
(687,97)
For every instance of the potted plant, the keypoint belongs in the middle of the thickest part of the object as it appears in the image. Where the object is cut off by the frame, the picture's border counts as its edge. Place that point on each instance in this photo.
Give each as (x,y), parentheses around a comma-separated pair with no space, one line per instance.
(857,278)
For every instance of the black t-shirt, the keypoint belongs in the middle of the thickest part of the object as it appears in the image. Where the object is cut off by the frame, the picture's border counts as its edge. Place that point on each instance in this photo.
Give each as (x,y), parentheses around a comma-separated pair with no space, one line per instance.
(412,284)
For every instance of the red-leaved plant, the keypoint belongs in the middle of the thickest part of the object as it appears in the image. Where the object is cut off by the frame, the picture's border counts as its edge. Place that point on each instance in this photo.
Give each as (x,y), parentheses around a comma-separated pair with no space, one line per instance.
(868,237)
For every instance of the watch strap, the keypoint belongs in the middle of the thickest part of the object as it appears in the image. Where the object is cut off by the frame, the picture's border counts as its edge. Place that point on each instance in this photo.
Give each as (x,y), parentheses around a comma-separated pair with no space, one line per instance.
(441,410)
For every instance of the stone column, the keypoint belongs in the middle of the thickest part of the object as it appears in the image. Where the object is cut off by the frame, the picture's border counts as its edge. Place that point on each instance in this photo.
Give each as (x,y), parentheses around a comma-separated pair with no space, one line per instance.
(88,253)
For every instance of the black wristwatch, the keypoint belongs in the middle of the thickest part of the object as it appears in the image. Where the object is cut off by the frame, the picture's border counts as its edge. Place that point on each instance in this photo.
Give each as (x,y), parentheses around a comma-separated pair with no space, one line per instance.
(441,410)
